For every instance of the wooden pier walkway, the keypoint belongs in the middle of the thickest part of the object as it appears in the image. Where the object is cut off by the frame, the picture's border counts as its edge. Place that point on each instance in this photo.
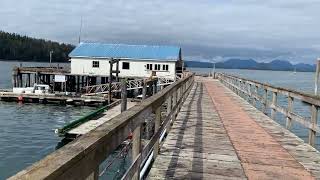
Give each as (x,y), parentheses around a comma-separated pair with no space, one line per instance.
(218,135)
(212,133)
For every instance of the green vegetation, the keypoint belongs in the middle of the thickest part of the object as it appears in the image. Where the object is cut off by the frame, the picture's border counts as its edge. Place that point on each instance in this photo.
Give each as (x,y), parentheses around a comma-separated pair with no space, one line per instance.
(23,48)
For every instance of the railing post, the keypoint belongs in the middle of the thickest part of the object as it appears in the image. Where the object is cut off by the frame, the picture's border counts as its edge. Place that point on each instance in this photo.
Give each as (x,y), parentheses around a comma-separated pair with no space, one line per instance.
(123,95)
(94,175)
(314,118)
(255,92)
(249,93)
(136,147)
(265,99)
(174,103)
(154,84)
(239,87)
(156,128)
(180,96)
(169,104)
(144,89)
(274,103)
(290,105)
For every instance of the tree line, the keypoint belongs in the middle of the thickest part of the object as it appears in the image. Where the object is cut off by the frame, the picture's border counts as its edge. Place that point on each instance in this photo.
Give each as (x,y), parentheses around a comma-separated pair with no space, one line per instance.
(17,47)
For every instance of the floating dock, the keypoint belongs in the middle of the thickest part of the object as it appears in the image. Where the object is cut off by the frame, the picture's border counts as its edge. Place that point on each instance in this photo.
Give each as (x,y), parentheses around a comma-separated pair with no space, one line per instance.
(53,99)
(97,121)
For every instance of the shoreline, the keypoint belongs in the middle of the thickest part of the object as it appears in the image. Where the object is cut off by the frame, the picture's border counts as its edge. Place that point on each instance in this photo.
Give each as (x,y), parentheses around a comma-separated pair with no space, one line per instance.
(24,61)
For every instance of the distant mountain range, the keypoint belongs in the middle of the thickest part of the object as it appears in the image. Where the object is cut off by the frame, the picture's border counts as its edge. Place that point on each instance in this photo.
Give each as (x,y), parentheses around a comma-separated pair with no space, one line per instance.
(276,65)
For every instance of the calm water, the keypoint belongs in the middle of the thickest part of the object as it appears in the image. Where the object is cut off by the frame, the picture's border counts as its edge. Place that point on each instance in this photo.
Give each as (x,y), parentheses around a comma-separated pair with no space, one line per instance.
(301,81)
(26,133)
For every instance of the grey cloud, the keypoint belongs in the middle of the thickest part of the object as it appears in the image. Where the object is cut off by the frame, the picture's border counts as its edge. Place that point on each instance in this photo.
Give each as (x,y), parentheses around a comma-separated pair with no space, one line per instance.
(264,30)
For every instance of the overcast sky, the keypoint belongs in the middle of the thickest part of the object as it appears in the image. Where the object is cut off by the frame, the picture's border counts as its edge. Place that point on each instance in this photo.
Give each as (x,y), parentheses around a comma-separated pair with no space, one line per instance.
(205,29)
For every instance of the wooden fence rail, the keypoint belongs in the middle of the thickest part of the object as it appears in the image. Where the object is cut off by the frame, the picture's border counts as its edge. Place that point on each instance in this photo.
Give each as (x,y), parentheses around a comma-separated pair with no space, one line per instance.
(250,88)
(81,158)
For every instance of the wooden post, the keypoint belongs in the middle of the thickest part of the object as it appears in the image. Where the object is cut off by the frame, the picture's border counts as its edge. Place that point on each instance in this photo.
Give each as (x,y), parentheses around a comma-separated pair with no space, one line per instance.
(14,78)
(144,89)
(274,102)
(110,82)
(123,95)
(290,105)
(136,147)
(28,80)
(154,84)
(249,93)
(82,81)
(20,80)
(94,175)
(317,77)
(117,71)
(156,128)
(174,103)
(38,77)
(169,105)
(255,92)
(314,118)
(265,103)
(35,78)
(78,84)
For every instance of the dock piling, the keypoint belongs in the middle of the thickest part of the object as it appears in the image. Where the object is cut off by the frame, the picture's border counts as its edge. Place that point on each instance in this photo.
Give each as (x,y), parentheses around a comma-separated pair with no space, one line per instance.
(123,95)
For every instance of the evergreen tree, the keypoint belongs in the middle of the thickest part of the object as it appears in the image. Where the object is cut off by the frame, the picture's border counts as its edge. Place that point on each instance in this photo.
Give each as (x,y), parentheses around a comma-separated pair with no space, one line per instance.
(23,48)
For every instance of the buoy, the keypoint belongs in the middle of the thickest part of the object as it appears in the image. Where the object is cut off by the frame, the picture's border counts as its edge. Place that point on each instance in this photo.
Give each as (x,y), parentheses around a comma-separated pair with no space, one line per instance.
(130,135)
(20,98)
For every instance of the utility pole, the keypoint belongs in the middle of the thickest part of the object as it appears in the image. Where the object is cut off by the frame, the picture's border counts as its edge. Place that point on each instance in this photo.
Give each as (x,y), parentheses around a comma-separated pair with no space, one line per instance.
(51,52)
(80,30)
(317,77)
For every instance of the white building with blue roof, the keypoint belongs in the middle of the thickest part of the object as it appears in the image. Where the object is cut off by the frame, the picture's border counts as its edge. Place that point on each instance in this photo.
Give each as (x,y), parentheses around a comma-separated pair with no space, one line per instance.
(92,59)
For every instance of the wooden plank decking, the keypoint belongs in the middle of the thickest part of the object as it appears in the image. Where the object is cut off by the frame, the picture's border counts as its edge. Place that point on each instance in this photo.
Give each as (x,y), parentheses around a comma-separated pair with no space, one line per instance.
(106,116)
(218,135)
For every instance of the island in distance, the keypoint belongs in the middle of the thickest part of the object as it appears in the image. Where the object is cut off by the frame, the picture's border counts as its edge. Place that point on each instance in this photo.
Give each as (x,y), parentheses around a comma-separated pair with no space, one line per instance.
(275,65)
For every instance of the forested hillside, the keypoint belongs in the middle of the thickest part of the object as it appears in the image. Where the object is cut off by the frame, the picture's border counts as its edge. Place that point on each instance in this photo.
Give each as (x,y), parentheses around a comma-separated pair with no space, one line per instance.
(275,65)
(17,47)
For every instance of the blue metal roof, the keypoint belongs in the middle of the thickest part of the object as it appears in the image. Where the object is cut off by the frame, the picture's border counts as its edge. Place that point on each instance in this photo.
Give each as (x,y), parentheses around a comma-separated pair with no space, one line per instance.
(146,52)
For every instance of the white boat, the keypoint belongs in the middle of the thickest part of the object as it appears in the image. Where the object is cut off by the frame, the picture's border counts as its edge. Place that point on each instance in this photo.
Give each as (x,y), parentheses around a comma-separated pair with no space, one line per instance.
(295,71)
(36,89)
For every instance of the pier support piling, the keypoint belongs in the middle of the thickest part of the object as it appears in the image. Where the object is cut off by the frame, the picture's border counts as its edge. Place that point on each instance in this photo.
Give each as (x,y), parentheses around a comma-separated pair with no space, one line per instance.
(123,95)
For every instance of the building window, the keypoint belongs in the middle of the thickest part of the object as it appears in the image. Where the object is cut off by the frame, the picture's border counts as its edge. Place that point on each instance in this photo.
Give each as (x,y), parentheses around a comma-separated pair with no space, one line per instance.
(125,65)
(157,67)
(149,66)
(95,64)
(165,67)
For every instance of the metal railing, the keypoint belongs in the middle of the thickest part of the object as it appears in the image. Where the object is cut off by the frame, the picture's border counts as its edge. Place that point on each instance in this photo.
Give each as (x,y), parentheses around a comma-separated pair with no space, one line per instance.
(131,84)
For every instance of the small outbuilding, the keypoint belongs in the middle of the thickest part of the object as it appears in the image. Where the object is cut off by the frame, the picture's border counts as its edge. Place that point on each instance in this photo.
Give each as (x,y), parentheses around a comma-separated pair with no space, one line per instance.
(135,61)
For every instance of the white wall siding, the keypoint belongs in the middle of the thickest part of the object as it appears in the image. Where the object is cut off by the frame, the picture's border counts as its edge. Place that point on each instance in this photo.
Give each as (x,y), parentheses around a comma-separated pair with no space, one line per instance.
(84,66)
(137,68)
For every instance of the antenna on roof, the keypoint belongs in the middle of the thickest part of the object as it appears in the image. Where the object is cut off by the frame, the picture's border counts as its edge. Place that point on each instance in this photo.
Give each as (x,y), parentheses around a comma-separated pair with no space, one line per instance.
(80,30)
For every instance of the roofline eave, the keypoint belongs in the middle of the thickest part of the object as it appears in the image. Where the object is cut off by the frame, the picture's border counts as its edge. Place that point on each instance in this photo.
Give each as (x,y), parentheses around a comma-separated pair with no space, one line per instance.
(142,59)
